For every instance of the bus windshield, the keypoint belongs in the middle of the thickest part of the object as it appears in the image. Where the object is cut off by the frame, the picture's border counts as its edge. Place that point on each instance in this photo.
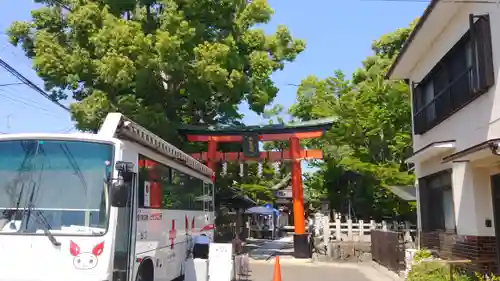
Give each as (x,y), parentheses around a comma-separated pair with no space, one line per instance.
(58,185)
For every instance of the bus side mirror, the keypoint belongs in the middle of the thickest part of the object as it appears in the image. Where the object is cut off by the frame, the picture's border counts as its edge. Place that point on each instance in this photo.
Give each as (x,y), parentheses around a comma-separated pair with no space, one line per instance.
(120,190)
(120,194)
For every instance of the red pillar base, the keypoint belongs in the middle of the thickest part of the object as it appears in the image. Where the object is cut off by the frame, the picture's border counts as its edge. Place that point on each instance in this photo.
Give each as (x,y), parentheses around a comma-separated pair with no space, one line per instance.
(301,246)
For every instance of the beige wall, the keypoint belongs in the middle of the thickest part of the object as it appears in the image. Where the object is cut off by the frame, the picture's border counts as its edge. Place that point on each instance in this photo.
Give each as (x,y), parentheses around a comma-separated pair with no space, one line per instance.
(472,199)
(471,194)
(479,120)
(473,124)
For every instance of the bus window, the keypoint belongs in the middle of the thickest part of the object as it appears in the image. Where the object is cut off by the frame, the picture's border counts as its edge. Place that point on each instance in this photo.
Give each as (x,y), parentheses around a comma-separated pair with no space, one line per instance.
(194,191)
(184,189)
(212,195)
(152,176)
(162,187)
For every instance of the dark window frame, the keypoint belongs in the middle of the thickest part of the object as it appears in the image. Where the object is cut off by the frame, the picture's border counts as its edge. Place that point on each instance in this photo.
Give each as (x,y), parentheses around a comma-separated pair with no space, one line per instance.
(432,209)
(461,87)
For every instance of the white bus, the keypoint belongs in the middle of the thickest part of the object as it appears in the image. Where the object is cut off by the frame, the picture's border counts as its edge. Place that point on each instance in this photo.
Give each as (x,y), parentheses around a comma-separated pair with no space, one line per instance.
(119,205)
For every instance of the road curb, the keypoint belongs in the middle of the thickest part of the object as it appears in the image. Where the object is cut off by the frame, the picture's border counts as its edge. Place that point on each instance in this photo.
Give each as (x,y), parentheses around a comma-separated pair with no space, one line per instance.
(383,270)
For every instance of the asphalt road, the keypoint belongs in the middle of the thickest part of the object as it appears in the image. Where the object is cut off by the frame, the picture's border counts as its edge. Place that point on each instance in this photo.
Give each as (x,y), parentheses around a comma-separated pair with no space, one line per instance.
(262,258)
(264,272)
(291,271)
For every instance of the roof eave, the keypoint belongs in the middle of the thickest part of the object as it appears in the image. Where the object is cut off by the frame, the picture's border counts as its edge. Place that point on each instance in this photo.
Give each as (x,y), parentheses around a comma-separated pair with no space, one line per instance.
(462,155)
(307,126)
(431,150)
(392,72)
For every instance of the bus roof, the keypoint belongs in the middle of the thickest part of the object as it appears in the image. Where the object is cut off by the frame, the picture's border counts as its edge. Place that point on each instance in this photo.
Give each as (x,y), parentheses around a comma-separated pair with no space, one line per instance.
(118,126)
(57,136)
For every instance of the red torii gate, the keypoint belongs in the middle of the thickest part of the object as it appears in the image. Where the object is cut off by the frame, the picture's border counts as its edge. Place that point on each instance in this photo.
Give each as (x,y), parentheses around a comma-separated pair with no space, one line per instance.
(250,138)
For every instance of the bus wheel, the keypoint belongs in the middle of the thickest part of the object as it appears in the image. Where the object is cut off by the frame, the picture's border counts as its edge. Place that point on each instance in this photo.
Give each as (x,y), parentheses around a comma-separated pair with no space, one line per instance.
(146,271)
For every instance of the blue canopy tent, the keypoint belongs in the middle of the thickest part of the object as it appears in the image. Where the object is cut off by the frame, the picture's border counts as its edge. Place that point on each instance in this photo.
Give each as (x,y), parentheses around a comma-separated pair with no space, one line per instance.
(262,210)
(268,211)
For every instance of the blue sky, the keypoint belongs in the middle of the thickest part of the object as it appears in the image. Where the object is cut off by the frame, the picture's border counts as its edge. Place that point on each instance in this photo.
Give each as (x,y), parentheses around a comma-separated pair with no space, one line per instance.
(338,36)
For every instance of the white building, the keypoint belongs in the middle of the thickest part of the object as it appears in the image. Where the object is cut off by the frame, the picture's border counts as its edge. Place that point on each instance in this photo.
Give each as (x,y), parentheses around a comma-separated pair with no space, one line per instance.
(451,61)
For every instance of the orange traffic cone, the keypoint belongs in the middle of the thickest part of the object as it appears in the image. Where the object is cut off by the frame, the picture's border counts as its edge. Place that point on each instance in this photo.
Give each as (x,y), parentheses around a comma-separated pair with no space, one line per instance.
(277,270)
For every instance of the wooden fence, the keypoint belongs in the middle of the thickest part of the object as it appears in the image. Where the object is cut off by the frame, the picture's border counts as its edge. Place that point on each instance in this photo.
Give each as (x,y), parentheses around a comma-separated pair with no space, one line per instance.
(358,231)
(388,249)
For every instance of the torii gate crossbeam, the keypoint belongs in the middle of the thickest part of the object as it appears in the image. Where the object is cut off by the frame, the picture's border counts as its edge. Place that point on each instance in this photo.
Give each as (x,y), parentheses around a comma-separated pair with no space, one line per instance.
(249,137)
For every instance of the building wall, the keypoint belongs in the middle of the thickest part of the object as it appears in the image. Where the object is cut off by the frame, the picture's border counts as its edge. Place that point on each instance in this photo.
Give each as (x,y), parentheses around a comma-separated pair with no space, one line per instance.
(472,199)
(480,249)
(471,194)
(480,120)
(471,125)
(473,205)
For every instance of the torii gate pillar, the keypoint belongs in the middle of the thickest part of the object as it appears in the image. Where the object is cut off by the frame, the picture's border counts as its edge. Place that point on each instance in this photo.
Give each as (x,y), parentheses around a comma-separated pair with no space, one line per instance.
(212,153)
(300,237)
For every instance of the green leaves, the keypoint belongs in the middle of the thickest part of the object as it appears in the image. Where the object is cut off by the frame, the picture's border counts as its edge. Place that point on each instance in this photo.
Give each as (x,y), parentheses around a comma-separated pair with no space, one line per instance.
(187,61)
(371,137)
(255,187)
(434,270)
(255,12)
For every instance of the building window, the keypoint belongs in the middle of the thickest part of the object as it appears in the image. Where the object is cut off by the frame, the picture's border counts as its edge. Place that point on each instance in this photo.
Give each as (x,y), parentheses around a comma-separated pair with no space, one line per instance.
(463,74)
(163,187)
(436,202)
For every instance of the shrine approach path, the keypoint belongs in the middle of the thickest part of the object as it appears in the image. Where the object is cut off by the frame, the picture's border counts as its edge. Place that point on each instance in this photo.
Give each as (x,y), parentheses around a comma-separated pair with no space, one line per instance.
(299,271)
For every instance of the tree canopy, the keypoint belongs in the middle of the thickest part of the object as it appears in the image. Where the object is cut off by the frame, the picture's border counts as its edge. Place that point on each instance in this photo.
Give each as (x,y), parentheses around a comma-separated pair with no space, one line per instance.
(169,62)
(371,136)
(161,62)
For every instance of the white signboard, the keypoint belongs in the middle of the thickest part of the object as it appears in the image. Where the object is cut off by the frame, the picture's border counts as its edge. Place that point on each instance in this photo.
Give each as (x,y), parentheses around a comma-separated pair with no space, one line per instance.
(285,193)
(220,257)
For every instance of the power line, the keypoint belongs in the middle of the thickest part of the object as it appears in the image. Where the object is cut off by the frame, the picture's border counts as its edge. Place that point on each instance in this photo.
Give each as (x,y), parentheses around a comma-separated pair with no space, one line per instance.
(30,84)
(66,130)
(11,84)
(440,1)
(26,103)
(13,95)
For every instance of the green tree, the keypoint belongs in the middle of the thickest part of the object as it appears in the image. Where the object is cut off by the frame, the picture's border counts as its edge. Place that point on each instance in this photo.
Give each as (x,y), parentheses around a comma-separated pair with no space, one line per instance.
(371,135)
(161,62)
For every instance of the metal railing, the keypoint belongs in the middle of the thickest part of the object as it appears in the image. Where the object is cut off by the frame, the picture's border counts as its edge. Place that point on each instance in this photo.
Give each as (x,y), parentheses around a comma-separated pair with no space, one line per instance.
(451,98)
(241,268)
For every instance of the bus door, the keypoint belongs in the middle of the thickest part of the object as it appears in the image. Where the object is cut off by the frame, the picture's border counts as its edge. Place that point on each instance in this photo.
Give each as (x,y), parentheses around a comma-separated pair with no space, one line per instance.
(124,258)
(207,200)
